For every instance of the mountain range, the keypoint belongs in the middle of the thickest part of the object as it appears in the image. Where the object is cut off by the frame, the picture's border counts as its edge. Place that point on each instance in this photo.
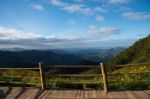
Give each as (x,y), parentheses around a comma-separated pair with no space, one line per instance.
(18,57)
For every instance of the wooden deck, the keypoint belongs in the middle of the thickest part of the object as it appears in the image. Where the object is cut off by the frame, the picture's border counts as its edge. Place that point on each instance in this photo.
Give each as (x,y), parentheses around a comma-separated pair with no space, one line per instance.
(35,93)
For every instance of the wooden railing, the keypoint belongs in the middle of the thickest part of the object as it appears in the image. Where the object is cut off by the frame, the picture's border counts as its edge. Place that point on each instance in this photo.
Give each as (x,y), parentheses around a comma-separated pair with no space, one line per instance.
(102,67)
(45,75)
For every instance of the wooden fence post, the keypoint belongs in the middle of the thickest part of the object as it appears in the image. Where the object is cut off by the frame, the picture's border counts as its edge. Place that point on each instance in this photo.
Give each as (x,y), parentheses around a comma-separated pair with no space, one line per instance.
(42,75)
(103,70)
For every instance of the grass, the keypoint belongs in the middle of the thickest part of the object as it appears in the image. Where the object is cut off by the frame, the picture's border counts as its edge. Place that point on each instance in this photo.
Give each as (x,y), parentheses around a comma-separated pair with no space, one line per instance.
(117,82)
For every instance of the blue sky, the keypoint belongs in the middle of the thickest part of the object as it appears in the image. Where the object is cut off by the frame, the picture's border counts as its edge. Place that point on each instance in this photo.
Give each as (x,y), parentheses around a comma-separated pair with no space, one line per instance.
(46,24)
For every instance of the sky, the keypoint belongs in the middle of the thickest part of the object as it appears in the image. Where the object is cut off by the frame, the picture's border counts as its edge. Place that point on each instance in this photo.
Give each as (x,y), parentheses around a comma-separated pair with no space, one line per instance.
(54,24)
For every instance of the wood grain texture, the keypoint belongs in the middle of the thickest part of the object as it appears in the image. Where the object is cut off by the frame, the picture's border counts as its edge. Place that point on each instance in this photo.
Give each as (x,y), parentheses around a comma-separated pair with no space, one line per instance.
(36,93)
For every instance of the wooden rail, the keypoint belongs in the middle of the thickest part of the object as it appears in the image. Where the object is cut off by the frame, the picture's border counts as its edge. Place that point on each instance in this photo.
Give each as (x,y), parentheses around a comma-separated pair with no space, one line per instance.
(132,64)
(74,75)
(19,68)
(71,66)
(103,74)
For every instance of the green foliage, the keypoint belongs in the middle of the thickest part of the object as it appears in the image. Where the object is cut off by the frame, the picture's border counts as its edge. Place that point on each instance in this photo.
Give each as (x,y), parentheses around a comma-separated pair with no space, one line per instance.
(131,86)
(137,53)
(23,76)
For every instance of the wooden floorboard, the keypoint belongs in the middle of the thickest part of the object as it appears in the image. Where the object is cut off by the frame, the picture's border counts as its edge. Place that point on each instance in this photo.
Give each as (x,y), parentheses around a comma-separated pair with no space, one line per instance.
(14,93)
(142,94)
(101,94)
(132,95)
(91,94)
(147,91)
(36,93)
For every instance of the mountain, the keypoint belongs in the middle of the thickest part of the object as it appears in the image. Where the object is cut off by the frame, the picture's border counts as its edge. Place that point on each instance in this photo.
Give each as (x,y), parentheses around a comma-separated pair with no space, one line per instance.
(137,53)
(13,49)
(96,54)
(30,58)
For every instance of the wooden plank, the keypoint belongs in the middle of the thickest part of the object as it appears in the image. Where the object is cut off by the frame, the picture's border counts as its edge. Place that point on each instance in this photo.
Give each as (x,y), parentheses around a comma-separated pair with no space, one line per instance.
(19,68)
(86,93)
(42,75)
(79,94)
(62,94)
(71,66)
(15,93)
(17,83)
(132,64)
(147,91)
(51,94)
(93,94)
(74,95)
(4,91)
(25,94)
(112,74)
(45,94)
(73,75)
(71,92)
(137,81)
(35,93)
(102,94)
(19,77)
(142,94)
(56,94)
(123,94)
(131,95)
(103,70)
(66,94)
(115,95)
(79,82)
(30,93)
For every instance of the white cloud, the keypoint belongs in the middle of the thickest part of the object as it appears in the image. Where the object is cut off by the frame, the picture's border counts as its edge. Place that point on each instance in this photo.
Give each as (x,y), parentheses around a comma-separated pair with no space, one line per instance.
(103,31)
(10,38)
(118,1)
(83,6)
(37,6)
(77,7)
(17,38)
(71,22)
(79,1)
(100,9)
(7,33)
(58,3)
(100,18)
(137,15)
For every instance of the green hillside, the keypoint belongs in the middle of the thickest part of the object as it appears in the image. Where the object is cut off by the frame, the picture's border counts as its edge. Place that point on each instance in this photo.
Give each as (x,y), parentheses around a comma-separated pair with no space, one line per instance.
(137,53)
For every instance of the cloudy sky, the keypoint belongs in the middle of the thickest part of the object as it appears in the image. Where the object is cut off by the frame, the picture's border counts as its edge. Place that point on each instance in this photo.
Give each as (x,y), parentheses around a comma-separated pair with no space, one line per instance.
(46,24)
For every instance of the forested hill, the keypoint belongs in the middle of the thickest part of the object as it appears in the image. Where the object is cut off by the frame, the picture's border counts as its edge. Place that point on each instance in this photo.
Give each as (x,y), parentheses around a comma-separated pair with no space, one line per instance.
(137,53)
(32,57)
(28,58)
